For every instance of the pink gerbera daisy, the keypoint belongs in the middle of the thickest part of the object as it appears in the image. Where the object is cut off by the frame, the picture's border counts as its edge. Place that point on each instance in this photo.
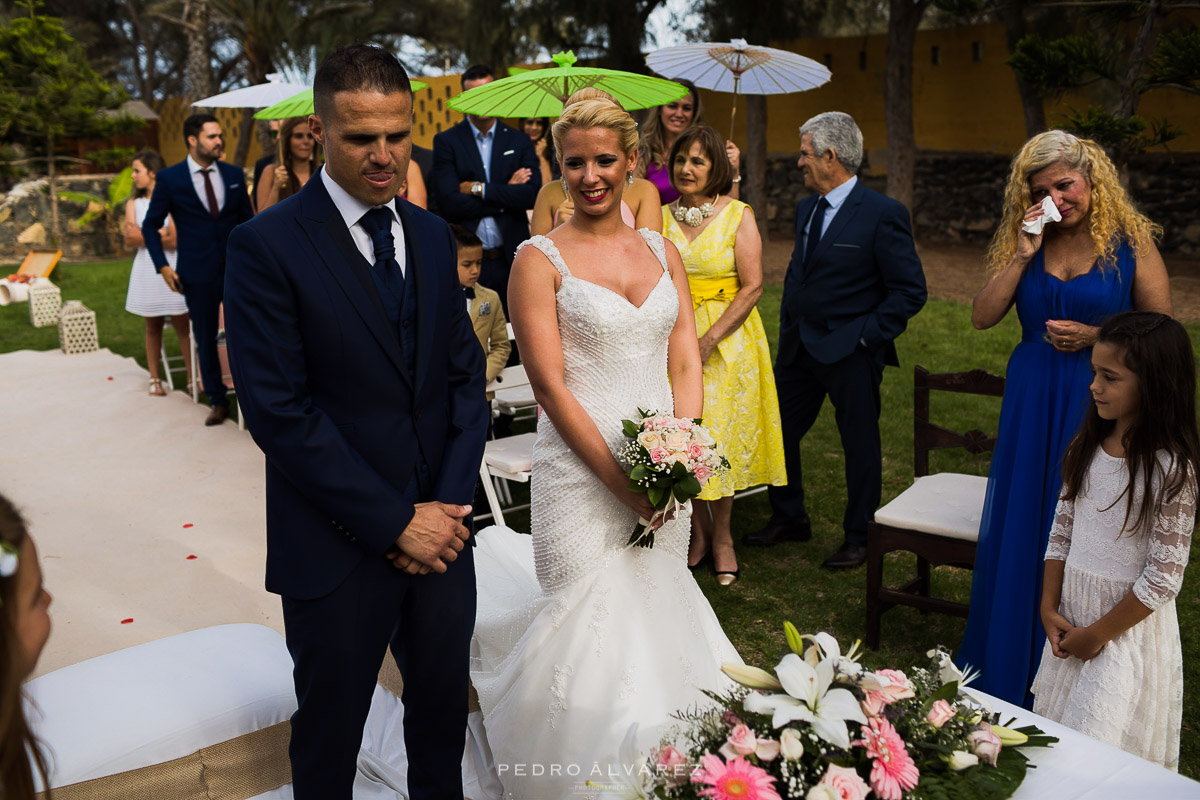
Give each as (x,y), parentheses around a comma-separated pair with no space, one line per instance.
(736,780)
(893,771)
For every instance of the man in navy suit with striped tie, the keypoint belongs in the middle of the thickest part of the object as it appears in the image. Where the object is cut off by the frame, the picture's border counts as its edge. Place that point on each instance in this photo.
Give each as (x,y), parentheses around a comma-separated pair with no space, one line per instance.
(207,198)
(852,285)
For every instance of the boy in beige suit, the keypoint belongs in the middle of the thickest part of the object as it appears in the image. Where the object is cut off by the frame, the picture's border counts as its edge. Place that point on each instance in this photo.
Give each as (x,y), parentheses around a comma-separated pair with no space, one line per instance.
(483,304)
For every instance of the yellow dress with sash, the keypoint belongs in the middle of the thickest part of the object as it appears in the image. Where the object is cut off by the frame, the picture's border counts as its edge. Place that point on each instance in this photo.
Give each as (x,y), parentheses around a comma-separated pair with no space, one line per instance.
(741,408)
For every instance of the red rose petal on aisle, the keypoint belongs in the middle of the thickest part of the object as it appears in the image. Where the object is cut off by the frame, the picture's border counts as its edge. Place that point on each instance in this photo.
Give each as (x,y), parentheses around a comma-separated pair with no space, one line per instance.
(110,377)
(127,621)
(188,525)
(189,558)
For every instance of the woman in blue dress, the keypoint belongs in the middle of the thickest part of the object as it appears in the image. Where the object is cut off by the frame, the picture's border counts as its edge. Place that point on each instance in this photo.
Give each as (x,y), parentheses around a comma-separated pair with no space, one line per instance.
(1099,260)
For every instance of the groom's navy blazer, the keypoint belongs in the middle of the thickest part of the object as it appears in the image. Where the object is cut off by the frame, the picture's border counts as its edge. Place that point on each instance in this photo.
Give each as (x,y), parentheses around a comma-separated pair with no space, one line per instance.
(862,285)
(323,382)
(200,238)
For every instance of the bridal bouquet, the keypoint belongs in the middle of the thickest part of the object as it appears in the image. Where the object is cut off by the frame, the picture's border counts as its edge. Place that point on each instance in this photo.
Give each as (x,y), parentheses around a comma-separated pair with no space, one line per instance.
(669,459)
(824,728)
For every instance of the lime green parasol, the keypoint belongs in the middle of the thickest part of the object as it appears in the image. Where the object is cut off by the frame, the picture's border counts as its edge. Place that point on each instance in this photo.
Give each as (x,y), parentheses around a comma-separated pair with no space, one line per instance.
(541,92)
(301,105)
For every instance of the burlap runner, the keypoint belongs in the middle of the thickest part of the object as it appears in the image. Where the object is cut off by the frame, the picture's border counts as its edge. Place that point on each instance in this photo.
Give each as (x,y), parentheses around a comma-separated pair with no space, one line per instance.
(236,769)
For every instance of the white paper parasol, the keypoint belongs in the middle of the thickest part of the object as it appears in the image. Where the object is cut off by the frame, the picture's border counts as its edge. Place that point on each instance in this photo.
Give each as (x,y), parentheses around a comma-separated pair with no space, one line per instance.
(740,68)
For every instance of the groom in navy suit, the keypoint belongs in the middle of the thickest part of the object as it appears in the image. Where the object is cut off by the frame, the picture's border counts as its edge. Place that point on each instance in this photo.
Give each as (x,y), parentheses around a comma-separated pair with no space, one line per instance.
(207,198)
(363,384)
(852,285)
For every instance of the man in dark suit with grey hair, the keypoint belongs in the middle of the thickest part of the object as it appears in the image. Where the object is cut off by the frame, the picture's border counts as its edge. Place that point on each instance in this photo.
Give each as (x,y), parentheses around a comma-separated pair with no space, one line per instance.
(852,285)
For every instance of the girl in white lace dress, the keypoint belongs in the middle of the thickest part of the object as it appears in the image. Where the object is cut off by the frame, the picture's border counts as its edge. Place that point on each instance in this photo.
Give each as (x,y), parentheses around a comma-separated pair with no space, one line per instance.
(1112,666)
(579,636)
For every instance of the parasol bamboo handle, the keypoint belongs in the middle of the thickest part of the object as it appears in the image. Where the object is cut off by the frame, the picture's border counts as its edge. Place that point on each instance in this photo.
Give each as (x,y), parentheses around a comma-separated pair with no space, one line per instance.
(279,154)
(733,113)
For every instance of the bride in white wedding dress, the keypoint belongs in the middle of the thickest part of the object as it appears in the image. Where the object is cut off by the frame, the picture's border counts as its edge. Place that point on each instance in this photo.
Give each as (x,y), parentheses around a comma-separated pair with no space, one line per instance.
(578,636)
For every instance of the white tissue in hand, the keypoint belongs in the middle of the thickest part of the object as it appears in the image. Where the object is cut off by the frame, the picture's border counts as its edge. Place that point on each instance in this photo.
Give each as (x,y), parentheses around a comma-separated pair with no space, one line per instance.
(1049,214)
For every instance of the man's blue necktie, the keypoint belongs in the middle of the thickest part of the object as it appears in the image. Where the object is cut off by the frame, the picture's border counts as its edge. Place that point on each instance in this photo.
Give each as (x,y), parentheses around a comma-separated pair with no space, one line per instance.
(378,224)
(814,229)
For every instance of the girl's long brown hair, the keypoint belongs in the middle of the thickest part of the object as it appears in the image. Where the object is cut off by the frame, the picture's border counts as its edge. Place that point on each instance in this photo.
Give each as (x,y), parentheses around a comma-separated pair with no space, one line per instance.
(1157,349)
(285,136)
(16,740)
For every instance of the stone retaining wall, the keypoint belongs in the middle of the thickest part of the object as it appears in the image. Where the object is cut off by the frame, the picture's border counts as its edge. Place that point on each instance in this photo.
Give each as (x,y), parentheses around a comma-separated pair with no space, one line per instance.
(25,220)
(959,196)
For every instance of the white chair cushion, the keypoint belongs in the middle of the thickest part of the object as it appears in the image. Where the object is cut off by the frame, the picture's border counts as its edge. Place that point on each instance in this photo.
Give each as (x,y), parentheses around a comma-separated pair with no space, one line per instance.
(515,399)
(160,701)
(946,504)
(512,454)
(509,377)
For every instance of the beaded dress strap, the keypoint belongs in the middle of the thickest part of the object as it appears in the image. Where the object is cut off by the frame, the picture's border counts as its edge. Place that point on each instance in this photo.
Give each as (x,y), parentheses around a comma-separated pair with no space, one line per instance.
(654,240)
(550,250)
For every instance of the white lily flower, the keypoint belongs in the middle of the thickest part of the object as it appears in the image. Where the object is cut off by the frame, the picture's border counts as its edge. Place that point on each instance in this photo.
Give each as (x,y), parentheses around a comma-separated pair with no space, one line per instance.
(948,671)
(827,647)
(809,699)
(631,779)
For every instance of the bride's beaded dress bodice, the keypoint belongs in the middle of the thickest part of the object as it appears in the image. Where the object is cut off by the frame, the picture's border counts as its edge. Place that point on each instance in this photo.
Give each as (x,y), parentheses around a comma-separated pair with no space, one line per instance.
(615,362)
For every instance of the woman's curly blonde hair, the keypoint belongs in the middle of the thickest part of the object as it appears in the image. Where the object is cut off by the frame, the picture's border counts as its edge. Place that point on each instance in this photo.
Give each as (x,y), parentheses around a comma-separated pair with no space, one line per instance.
(1113,216)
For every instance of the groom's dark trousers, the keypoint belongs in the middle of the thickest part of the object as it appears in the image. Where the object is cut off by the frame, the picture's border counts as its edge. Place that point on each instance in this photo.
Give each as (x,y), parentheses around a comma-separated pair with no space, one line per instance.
(362,411)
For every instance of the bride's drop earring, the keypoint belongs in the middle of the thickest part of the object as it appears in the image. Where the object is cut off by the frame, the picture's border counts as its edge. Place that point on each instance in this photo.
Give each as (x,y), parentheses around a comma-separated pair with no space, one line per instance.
(629,178)
(563,181)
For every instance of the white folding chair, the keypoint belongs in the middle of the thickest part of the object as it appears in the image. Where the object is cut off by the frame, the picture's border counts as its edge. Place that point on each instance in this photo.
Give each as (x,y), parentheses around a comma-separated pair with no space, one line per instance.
(171,363)
(514,395)
(507,459)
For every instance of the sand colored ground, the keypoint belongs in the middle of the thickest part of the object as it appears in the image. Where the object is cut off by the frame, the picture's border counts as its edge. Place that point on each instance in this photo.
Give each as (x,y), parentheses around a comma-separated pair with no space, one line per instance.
(108,478)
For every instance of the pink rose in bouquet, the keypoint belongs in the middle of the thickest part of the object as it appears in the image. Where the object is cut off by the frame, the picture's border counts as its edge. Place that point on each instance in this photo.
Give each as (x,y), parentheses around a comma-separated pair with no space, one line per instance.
(669,460)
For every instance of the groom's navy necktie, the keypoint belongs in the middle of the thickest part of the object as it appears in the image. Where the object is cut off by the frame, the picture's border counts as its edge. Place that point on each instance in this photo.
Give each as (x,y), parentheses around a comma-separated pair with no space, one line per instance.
(814,229)
(378,224)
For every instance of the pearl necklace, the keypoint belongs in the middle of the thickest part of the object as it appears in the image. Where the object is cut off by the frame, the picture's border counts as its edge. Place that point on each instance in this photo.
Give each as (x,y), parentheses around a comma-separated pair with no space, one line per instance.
(694,215)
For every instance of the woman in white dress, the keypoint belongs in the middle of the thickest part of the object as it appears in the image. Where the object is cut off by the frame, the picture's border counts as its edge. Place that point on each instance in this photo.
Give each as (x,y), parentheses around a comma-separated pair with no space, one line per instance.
(578,635)
(149,296)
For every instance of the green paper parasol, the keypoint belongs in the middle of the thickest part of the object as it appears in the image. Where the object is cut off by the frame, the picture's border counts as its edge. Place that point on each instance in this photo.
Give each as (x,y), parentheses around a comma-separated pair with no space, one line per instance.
(541,92)
(301,105)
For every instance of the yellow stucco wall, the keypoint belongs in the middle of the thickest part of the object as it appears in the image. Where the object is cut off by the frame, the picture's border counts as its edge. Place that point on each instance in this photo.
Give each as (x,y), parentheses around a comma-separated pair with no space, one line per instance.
(958,104)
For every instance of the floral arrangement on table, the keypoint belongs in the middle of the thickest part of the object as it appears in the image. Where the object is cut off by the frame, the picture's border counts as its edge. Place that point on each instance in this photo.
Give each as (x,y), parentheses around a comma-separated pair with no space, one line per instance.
(669,459)
(824,728)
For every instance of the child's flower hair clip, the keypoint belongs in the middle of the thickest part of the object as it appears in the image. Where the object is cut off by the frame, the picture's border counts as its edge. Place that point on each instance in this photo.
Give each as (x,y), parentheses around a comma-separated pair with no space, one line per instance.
(10,559)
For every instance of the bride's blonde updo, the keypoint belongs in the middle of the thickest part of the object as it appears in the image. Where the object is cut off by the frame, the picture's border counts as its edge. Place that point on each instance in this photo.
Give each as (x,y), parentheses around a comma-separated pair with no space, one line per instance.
(590,107)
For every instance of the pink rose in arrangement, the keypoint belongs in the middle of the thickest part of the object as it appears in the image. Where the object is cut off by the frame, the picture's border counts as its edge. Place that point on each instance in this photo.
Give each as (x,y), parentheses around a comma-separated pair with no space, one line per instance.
(898,687)
(874,704)
(671,765)
(767,750)
(941,713)
(703,473)
(695,451)
(740,742)
(845,783)
(893,772)
(985,744)
(736,780)
(658,455)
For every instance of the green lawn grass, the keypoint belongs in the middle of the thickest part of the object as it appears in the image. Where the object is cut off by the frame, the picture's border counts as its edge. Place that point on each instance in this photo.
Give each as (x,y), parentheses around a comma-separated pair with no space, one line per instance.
(784,582)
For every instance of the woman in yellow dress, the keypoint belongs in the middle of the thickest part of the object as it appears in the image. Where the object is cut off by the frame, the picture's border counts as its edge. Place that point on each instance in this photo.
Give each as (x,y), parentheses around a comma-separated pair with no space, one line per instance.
(722,252)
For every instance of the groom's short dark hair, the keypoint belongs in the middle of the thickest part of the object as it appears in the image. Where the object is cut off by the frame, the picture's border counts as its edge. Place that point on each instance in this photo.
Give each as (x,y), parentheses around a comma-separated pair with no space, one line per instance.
(357,68)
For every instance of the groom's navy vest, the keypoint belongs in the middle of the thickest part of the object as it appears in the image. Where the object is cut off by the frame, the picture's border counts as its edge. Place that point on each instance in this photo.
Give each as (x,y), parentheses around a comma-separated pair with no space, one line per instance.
(402,311)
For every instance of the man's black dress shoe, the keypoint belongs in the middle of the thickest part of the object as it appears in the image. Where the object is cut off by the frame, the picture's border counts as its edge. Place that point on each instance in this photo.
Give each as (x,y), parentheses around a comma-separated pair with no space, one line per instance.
(846,557)
(774,533)
(218,415)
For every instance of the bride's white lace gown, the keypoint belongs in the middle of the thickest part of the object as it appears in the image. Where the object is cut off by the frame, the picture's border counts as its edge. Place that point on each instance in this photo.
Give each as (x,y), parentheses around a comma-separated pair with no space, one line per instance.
(1131,694)
(579,635)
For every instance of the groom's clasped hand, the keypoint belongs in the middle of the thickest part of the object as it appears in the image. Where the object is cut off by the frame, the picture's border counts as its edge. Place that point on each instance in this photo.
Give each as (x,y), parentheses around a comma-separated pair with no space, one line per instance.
(433,539)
